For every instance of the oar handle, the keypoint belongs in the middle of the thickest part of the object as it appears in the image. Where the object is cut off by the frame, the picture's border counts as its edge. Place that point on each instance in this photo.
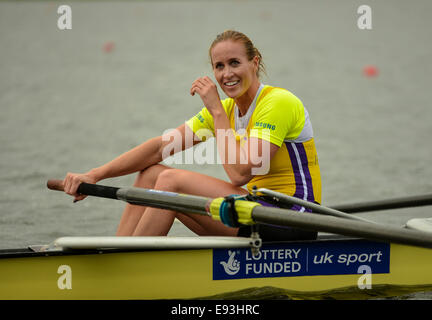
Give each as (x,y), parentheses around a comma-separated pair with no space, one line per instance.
(86,188)
(55,184)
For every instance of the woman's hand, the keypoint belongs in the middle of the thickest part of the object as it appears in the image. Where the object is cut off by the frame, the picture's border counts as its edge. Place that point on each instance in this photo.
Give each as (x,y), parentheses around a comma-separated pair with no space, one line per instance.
(207,90)
(72,181)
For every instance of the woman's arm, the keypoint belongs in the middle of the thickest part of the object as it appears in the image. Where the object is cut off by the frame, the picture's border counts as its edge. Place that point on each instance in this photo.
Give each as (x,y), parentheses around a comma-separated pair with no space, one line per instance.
(240,161)
(137,159)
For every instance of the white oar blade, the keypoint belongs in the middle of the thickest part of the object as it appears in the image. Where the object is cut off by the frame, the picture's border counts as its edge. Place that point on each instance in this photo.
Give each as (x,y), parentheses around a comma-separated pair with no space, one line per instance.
(421,224)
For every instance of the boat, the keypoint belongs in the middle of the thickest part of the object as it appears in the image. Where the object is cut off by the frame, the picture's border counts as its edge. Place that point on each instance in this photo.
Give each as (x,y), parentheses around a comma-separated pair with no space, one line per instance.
(350,259)
(191,267)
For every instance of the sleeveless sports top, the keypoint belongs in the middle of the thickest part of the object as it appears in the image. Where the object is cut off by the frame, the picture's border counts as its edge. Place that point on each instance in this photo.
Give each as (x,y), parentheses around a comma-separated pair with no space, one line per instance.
(278,116)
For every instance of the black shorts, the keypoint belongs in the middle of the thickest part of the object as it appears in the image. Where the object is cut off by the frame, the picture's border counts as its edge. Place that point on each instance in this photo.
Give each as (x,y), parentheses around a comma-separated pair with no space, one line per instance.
(269,232)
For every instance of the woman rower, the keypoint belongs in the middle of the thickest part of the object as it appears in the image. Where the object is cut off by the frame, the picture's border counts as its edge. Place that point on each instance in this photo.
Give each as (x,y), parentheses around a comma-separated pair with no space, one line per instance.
(264,137)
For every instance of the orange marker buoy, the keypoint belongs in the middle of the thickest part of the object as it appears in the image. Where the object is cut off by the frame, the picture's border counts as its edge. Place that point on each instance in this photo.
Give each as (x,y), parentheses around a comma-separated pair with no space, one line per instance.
(370,71)
(108,47)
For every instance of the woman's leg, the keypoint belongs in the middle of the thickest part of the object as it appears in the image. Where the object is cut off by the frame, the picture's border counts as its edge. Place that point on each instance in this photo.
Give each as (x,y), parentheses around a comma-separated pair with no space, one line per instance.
(132,213)
(157,222)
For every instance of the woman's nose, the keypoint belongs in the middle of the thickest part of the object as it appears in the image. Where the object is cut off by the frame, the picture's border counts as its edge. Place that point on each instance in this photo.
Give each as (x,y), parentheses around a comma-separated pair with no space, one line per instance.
(228,72)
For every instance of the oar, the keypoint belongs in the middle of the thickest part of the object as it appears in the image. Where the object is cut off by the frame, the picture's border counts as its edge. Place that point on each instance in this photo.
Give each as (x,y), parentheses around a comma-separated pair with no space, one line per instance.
(314,207)
(267,215)
(141,196)
(386,204)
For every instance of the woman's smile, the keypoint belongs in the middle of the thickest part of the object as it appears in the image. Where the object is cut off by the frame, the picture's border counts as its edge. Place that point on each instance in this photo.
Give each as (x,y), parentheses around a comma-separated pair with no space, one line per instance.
(231,83)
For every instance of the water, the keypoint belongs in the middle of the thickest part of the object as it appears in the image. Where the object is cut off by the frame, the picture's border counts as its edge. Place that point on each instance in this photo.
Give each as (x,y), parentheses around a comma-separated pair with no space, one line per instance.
(68,105)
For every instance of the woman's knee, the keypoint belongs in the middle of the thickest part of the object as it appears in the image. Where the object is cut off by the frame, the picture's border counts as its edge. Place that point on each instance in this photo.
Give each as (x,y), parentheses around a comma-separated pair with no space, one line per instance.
(170,180)
(147,178)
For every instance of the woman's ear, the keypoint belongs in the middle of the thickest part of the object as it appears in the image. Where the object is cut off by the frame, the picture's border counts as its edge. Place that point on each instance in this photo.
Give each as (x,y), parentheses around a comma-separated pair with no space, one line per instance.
(256,62)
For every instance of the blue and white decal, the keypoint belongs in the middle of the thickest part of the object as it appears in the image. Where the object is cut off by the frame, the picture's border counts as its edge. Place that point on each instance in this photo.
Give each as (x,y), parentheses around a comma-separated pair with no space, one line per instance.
(301,259)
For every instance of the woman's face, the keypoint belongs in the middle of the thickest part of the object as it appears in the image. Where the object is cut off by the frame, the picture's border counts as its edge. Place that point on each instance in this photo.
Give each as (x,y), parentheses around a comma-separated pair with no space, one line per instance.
(232,69)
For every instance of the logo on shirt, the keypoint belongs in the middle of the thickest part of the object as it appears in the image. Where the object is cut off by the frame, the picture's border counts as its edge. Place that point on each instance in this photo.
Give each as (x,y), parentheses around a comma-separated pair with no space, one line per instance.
(200,117)
(265,125)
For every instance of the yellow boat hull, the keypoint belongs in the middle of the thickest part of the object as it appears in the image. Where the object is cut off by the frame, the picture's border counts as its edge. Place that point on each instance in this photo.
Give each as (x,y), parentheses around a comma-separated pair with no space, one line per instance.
(181,274)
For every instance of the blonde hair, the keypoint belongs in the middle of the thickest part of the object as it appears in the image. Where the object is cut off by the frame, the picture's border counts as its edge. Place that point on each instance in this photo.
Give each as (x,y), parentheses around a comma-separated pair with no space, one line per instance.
(251,51)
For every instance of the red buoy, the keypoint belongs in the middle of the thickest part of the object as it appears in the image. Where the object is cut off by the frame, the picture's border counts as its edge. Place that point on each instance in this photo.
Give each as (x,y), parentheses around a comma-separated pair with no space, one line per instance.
(370,71)
(108,47)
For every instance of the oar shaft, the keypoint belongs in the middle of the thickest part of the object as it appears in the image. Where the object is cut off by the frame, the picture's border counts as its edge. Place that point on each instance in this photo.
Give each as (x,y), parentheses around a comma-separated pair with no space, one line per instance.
(164,200)
(313,206)
(342,226)
(140,196)
(396,203)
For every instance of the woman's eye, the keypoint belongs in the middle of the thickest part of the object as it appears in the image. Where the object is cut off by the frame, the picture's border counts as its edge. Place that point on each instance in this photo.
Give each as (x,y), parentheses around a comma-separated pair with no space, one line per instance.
(219,66)
(235,63)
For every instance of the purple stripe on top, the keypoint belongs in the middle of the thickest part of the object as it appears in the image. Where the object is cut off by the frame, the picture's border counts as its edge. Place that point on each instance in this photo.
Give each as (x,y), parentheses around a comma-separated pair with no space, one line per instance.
(294,207)
(303,179)
(266,204)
